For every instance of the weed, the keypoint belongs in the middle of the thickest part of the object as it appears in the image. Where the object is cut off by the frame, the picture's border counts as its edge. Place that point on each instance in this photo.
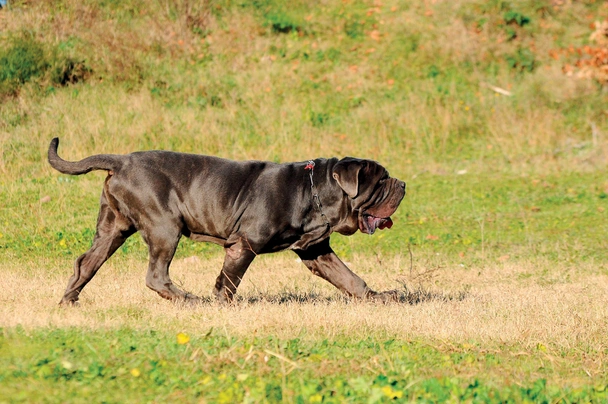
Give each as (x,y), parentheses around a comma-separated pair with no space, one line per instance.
(281,22)
(522,60)
(515,17)
(318,119)
(354,28)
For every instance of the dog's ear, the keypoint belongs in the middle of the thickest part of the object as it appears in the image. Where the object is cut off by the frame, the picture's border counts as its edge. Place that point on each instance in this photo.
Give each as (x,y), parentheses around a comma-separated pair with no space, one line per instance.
(346,174)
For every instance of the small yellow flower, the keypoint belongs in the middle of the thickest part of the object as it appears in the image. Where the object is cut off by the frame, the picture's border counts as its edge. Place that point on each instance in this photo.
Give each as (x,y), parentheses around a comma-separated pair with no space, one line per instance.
(390,393)
(182,338)
(135,372)
(316,398)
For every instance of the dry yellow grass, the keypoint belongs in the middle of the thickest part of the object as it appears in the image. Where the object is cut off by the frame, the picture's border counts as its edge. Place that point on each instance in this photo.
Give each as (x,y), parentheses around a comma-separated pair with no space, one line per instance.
(562,308)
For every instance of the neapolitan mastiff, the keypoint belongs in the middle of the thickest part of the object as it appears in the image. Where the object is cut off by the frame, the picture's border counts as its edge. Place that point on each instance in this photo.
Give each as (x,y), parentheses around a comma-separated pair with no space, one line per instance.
(249,208)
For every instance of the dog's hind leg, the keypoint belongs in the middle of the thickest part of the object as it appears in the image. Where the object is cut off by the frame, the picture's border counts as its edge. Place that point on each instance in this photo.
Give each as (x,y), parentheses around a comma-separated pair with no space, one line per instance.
(112,231)
(239,256)
(162,242)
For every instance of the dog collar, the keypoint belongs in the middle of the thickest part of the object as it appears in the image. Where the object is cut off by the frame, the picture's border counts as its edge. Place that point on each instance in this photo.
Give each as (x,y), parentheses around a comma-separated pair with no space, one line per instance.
(315,195)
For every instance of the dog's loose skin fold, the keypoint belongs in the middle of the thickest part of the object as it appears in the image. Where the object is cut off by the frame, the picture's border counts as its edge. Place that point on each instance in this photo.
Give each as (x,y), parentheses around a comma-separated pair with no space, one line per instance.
(248,207)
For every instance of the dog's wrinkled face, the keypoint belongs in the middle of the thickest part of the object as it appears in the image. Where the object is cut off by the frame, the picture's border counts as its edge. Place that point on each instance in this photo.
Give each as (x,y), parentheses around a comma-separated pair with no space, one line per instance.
(374,195)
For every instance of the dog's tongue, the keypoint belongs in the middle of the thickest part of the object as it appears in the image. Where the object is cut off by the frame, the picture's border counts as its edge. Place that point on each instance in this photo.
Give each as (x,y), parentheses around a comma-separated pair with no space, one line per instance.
(372,223)
(386,224)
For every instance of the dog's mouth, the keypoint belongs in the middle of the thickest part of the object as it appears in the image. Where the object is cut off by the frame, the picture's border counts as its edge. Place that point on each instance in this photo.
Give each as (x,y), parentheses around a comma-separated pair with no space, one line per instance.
(370,223)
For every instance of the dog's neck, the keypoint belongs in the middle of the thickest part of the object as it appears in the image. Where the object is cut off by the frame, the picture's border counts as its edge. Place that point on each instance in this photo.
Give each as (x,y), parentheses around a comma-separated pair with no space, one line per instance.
(314,192)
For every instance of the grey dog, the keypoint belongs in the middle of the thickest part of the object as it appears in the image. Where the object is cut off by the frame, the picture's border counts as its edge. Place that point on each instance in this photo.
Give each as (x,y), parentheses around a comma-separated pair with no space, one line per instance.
(248,207)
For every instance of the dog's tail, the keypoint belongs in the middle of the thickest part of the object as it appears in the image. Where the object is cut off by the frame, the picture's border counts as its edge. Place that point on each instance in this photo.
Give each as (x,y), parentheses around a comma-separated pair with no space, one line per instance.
(108,162)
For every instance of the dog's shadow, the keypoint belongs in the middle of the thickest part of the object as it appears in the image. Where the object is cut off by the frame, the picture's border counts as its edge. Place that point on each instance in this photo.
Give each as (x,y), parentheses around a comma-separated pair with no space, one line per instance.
(290,297)
(404,295)
(420,295)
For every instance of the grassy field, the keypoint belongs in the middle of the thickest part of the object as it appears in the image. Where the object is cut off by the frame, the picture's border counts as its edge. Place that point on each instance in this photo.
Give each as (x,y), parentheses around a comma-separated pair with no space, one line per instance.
(495,113)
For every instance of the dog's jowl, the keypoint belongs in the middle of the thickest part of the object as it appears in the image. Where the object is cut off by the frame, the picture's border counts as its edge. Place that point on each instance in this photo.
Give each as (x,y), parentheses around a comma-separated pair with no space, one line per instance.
(248,207)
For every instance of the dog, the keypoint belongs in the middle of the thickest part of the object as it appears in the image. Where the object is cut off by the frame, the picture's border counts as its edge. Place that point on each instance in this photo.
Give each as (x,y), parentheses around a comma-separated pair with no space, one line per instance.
(248,207)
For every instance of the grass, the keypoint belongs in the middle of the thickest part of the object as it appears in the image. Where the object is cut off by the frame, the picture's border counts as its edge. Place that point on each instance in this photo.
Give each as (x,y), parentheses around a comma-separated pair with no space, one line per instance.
(477,334)
(481,107)
(109,366)
(471,219)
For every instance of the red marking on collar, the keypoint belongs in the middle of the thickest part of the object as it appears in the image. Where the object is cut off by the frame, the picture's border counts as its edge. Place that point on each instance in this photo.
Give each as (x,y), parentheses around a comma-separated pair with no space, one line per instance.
(309,166)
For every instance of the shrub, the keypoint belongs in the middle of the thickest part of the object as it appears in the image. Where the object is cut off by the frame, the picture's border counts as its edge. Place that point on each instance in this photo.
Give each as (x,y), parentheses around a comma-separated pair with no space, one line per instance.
(69,71)
(25,60)
(20,63)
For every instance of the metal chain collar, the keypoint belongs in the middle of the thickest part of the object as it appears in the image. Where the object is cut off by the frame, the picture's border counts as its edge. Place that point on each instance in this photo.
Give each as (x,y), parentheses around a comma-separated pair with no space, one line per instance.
(315,195)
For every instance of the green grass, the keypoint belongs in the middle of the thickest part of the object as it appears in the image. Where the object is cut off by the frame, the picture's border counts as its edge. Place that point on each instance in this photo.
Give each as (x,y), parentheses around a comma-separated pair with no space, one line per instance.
(493,179)
(469,219)
(80,365)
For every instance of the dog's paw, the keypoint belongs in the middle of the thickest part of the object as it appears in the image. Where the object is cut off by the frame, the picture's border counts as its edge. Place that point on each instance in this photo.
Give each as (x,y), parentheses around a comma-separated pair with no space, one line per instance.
(69,303)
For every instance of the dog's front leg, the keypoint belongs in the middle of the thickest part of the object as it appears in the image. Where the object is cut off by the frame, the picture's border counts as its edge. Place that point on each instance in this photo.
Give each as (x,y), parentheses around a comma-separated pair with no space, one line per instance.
(323,262)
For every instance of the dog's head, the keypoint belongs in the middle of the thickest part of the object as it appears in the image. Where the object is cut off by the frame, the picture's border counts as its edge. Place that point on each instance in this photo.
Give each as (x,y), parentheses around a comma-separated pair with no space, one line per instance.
(373,195)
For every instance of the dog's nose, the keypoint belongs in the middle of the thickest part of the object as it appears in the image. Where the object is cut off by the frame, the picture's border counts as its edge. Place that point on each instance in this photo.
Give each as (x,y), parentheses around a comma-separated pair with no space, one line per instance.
(402,184)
